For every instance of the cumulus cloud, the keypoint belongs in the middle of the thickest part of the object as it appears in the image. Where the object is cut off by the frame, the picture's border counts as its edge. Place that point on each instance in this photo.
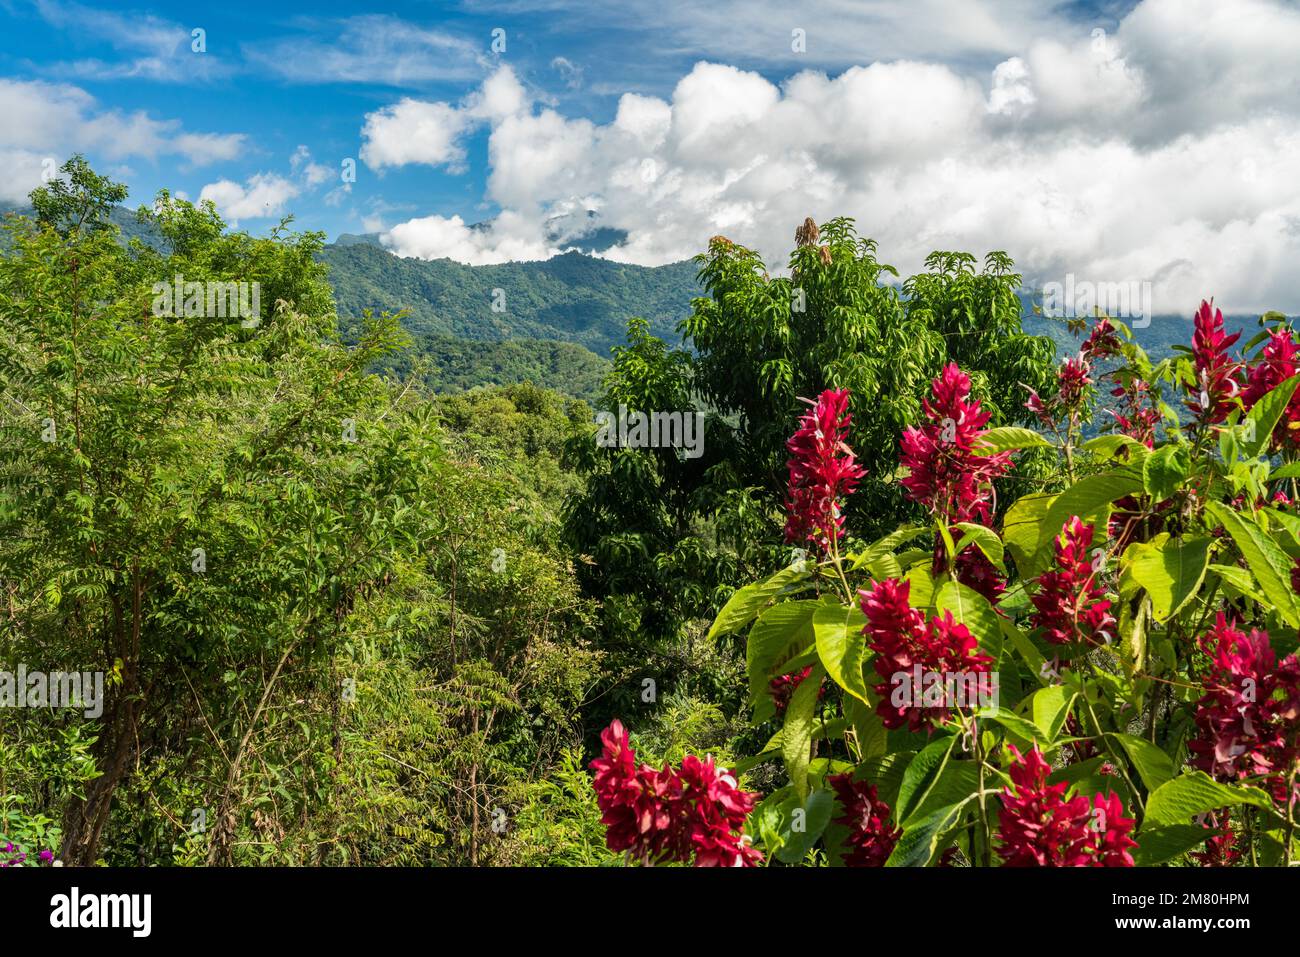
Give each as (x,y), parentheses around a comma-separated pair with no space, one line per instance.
(46,122)
(1164,150)
(261,195)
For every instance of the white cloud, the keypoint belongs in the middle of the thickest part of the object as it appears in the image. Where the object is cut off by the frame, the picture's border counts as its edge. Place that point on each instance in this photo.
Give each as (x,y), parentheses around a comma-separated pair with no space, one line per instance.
(49,121)
(370,48)
(312,173)
(1166,150)
(156,49)
(262,195)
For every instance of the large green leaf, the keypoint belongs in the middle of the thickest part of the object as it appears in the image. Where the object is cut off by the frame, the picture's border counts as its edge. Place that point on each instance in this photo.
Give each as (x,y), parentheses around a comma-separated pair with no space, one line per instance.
(1090,499)
(920,842)
(1170,570)
(1265,559)
(1051,706)
(983,538)
(1021,527)
(801,830)
(1264,415)
(1162,844)
(974,611)
(921,775)
(840,645)
(1165,469)
(1154,767)
(1008,437)
(1183,798)
(744,606)
(796,742)
(870,730)
(781,632)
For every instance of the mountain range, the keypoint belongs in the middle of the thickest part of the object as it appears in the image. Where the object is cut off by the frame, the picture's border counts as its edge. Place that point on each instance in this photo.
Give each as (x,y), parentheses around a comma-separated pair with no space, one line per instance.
(552,321)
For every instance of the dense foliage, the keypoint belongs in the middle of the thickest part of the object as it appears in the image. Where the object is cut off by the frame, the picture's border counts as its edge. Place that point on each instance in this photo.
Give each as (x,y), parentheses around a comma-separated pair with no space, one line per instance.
(1119,684)
(354,605)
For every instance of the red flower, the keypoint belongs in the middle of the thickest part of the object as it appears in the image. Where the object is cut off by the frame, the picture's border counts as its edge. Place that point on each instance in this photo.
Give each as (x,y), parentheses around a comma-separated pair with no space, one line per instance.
(1073,379)
(668,816)
(1038,827)
(782,688)
(1069,603)
(1220,850)
(1216,374)
(822,471)
(947,473)
(1246,720)
(1139,417)
(903,641)
(871,835)
(1103,342)
(1277,363)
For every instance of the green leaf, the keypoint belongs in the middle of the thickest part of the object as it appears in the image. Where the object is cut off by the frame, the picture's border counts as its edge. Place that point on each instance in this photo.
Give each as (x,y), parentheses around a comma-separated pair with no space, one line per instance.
(1090,499)
(780,633)
(1164,470)
(921,773)
(1162,844)
(1110,446)
(1051,706)
(1265,559)
(841,646)
(1153,766)
(1238,580)
(1183,798)
(1170,571)
(744,606)
(973,610)
(799,836)
(1027,731)
(886,545)
(985,539)
(920,842)
(1265,413)
(797,740)
(868,727)
(1008,437)
(1022,525)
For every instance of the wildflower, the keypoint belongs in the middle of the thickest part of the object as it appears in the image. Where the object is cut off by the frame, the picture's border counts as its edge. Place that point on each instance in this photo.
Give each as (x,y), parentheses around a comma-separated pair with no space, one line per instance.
(1039,827)
(782,688)
(871,835)
(1069,603)
(1216,373)
(668,815)
(1102,342)
(822,471)
(947,472)
(902,640)
(1247,717)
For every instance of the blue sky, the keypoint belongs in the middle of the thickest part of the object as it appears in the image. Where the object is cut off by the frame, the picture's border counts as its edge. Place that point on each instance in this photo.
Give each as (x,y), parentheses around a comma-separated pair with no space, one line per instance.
(287,75)
(1149,141)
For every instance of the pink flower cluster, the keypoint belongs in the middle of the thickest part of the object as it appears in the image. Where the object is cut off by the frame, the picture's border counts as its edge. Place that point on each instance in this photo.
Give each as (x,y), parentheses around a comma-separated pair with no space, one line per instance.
(673,815)
(1038,827)
(1247,718)
(1069,604)
(1217,374)
(948,475)
(871,835)
(822,471)
(903,638)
